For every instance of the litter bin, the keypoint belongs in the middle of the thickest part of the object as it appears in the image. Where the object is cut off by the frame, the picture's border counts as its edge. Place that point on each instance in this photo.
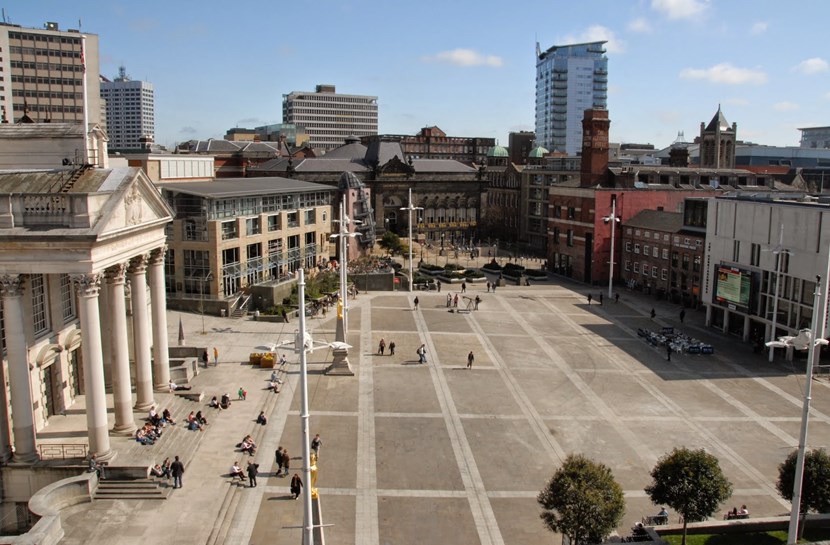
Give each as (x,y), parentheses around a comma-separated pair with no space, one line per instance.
(256,315)
(222,312)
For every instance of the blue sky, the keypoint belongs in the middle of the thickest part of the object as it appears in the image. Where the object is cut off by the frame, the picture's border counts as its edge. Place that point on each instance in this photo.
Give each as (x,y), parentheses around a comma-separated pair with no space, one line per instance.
(465,66)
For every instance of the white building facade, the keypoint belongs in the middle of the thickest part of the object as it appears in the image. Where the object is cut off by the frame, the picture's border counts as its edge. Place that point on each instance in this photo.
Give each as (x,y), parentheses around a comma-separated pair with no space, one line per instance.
(131,111)
(744,243)
(569,80)
(328,118)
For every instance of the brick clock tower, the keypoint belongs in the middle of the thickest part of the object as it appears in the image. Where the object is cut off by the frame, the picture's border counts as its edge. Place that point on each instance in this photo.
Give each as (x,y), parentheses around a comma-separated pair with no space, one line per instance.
(595,124)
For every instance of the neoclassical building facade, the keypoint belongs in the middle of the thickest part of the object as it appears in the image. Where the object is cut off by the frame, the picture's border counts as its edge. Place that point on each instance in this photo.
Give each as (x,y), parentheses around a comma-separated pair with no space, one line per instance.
(78,247)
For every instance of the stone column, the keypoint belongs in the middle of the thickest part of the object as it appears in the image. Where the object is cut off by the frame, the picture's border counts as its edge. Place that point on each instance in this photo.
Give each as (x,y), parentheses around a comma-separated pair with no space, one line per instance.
(158,299)
(23,426)
(96,397)
(141,339)
(122,390)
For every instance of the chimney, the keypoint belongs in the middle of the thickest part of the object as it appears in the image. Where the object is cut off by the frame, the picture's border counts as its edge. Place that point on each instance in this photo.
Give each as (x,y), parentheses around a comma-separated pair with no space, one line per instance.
(595,124)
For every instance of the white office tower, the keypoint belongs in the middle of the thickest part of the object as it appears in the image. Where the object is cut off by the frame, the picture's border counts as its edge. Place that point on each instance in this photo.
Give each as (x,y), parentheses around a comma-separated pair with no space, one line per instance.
(328,118)
(130,111)
(569,80)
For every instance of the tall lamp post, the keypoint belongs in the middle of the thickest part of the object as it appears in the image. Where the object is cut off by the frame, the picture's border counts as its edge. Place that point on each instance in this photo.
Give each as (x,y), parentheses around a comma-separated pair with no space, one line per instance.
(300,345)
(809,339)
(779,252)
(409,209)
(613,220)
(343,237)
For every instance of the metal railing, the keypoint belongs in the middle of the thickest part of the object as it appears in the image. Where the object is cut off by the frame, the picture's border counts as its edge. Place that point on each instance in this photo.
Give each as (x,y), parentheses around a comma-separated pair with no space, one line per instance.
(62,451)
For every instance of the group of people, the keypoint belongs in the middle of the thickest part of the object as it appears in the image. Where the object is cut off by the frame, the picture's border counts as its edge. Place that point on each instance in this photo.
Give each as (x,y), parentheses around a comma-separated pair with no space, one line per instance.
(224,403)
(382,347)
(247,445)
(735,513)
(196,421)
(160,420)
(252,470)
(148,434)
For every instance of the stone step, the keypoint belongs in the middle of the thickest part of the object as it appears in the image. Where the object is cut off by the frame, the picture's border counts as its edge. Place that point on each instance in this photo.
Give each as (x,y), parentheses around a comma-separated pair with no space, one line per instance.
(138,489)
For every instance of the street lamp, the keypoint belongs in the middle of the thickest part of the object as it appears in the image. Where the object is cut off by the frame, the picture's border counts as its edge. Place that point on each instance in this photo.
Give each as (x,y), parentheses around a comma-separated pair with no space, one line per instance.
(613,220)
(806,339)
(343,237)
(779,252)
(409,209)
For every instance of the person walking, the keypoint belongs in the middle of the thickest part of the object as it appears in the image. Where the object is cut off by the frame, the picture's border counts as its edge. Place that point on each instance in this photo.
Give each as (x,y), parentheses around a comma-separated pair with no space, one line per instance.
(416,302)
(381,347)
(177,470)
(488,287)
(316,443)
(204,359)
(422,354)
(252,469)
(286,462)
(392,348)
(616,297)
(653,314)
(278,459)
(600,298)
(668,351)
(590,298)
(477,301)
(682,315)
(470,360)
(438,283)
(455,301)
(464,287)
(296,486)
(215,357)
(449,300)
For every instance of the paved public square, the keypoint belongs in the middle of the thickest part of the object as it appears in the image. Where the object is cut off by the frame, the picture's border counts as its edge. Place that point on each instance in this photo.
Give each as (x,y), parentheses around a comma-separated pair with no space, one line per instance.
(417,454)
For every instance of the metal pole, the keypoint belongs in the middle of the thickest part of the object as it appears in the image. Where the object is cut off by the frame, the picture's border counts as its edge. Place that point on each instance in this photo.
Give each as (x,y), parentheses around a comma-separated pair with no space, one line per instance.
(818,326)
(308,523)
(611,262)
(410,239)
(344,230)
(779,255)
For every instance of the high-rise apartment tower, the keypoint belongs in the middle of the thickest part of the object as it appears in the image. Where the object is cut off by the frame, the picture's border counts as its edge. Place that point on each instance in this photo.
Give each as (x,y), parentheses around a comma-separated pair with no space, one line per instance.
(328,118)
(569,80)
(130,110)
(42,72)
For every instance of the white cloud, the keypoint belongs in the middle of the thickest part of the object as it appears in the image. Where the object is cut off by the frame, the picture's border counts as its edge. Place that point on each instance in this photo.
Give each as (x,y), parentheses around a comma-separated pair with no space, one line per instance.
(725,73)
(815,65)
(759,27)
(598,33)
(464,57)
(640,25)
(785,106)
(680,9)
(736,101)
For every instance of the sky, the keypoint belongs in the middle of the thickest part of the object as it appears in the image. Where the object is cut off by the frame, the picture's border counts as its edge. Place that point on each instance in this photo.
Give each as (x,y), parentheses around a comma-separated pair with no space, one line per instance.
(466,66)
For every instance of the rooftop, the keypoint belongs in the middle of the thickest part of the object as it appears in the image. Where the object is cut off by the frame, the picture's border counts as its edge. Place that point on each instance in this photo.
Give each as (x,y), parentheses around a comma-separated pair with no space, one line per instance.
(238,187)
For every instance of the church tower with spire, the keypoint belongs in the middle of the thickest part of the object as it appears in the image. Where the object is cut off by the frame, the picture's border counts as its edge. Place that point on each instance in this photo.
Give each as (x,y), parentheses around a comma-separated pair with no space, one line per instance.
(717,142)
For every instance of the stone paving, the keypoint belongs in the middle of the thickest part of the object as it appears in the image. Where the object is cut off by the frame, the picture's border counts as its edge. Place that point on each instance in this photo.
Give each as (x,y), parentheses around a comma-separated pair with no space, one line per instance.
(421,453)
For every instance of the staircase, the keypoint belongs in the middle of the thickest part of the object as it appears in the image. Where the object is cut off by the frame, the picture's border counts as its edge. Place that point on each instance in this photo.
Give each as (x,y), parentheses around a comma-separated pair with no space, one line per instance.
(137,489)
(241,308)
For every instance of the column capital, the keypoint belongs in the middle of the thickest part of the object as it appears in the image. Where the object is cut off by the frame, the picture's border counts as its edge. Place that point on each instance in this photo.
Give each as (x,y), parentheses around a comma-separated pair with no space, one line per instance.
(138,264)
(87,284)
(157,255)
(115,273)
(11,285)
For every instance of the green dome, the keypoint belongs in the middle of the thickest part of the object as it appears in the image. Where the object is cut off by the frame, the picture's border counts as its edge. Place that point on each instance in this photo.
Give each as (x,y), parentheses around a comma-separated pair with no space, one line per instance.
(538,152)
(497,151)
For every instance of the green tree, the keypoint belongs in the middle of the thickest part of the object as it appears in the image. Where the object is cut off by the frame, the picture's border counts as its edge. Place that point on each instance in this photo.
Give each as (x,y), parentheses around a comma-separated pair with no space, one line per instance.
(815,486)
(690,482)
(391,242)
(582,501)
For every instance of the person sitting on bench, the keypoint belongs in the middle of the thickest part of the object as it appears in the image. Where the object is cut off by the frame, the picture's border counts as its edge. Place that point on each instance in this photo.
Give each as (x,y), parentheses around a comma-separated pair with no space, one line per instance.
(214,403)
(174,387)
(236,471)
(165,415)
(248,445)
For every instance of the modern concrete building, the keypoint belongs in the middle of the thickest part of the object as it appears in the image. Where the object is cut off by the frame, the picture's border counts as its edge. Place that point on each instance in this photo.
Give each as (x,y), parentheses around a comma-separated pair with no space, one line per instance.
(131,111)
(747,248)
(328,118)
(232,234)
(42,72)
(569,80)
(64,312)
(815,137)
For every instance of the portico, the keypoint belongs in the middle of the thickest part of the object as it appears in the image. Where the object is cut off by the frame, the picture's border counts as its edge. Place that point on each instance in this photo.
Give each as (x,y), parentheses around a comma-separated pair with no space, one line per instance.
(71,242)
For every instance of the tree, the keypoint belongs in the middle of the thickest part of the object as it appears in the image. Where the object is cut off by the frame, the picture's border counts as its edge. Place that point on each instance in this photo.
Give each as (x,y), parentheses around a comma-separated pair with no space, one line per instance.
(690,482)
(815,485)
(582,501)
(391,242)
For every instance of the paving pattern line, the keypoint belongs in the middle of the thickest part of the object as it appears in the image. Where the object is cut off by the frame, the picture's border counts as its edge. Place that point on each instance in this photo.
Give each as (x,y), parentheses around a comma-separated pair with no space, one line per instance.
(550,445)
(366,525)
(724,449)
(483,515)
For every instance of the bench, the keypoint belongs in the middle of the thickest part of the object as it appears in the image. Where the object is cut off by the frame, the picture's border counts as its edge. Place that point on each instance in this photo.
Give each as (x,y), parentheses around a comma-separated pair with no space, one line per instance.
(192,395)
(656,520)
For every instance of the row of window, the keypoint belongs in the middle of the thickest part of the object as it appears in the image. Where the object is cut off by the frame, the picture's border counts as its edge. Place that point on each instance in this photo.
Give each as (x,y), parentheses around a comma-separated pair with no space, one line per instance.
(43,38)
(51,108)
(46,81)
(46,94)
(253,226)
(664,273)
(45,52)
(47,66)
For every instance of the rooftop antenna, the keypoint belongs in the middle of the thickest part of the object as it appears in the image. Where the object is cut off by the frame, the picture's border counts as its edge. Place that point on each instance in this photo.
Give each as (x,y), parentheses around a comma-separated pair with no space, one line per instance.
(4,15)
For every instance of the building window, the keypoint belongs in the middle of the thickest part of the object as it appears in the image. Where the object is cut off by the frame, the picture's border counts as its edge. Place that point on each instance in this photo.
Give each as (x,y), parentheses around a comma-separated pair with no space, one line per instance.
(665,253)
(557,211)
(636,248)
(170,271)
(627,265)
(655,252)
(67,298)
(636,267)
(646,249)
(39,317)
(664,274)
(556,235)
(755,254)
(654,272)
(675,259)
(571,212)
(274,222)
(253,226)
(293,219)
(685,264)
(696,264)
(229,230)
(645,269)
(627,246)
(736,250)
(310,217)
(570,237)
